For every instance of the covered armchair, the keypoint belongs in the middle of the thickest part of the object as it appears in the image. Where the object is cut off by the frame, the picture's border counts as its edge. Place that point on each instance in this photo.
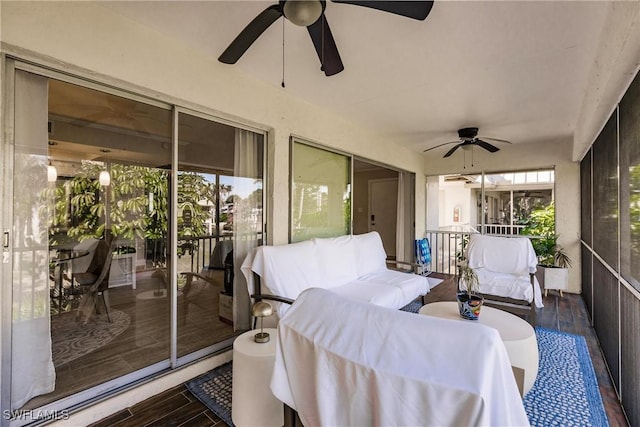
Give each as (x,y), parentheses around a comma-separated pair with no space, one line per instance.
(505,267)
(206,289)
(221,259)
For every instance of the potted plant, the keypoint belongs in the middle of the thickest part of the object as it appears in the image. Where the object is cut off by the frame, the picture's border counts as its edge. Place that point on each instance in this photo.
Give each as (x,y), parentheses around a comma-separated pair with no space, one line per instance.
(469,301)
(553,261)
(555,269)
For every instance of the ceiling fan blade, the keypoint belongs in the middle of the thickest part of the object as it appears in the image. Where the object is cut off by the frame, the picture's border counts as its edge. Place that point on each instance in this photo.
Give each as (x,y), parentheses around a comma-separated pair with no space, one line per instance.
(450,152)
(440,145)
(487,146)
(325,46)
(411,9)
(250,34)
(497,140)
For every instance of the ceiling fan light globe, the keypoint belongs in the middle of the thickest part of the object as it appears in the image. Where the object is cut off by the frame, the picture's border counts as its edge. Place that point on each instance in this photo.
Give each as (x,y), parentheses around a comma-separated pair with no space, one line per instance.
(302,12)
(467,147)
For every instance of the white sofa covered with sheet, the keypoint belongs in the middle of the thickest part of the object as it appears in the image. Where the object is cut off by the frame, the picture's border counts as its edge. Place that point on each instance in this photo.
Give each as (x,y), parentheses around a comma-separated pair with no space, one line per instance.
(353,266)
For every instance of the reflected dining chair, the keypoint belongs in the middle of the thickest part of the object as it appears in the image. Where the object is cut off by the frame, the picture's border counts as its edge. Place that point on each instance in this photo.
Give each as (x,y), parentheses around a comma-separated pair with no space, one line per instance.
(95,282)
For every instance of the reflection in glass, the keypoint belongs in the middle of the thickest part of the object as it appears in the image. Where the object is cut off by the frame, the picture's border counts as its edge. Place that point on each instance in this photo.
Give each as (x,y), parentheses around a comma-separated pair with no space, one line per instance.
(321,193)
(219,221)
(105,241)
(92,279)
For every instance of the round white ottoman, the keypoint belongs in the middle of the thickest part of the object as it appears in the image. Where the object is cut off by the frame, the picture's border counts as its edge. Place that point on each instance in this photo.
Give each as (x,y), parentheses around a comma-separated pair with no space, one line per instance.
(518,336)
(252,403)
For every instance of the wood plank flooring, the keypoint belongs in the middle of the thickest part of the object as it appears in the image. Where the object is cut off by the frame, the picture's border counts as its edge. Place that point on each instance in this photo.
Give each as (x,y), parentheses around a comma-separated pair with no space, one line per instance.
(178,407)
(146,340)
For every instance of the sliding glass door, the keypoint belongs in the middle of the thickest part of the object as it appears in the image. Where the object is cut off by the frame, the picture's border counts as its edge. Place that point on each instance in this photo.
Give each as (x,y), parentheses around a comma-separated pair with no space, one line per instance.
(219,221)
(102,295)
(90,226)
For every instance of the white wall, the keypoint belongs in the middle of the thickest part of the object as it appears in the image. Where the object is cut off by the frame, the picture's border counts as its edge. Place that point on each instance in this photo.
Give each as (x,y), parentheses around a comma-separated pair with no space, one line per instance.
(533,156)
(456,195)
(86,35)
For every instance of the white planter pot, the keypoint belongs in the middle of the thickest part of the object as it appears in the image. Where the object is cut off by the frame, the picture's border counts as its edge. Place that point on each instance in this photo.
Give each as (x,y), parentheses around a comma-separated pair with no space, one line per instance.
(556,278)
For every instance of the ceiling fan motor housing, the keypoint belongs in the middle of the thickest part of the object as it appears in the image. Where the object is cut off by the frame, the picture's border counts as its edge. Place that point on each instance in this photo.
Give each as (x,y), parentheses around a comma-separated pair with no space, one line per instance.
(467,134)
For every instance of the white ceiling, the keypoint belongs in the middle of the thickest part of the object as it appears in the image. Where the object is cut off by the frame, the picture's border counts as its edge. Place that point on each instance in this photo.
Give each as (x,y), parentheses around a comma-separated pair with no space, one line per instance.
(517,70)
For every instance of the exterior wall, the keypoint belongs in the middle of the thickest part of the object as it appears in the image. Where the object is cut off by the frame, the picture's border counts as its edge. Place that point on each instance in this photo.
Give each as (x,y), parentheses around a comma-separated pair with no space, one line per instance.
(555,155)
(457,195)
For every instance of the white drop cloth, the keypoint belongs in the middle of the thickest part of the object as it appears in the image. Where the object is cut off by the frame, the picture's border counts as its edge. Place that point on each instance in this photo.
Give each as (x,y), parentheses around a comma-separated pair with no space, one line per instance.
(344,363)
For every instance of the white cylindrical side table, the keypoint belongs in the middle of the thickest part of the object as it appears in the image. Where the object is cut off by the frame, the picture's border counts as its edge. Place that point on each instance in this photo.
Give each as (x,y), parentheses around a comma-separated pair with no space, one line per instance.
(518,336)
(252,403)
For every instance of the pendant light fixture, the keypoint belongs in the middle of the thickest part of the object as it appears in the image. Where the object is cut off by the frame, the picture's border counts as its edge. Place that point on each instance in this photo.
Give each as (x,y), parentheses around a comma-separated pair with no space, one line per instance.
(52,173)
(105,177)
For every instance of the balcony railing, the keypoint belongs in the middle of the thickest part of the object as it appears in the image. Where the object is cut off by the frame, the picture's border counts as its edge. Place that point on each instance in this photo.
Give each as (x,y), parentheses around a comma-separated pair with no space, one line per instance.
(502,229)
(447,247)
(200,248)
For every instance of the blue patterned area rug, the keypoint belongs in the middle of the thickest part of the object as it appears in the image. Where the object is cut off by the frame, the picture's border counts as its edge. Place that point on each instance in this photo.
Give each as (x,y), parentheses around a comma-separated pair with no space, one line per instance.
(566,390)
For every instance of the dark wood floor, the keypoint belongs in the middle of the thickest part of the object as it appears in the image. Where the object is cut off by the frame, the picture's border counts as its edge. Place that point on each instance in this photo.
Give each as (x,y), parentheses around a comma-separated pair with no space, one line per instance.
(146,340)
(178,407)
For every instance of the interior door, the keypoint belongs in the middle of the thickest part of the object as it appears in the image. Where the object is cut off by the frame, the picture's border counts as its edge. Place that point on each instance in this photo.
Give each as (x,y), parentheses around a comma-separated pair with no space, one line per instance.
(383,208)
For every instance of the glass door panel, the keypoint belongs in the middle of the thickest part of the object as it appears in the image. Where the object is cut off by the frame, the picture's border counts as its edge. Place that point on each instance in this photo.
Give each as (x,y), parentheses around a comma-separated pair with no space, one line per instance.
(219,204)
(104,204)
(320,193)
(91,273)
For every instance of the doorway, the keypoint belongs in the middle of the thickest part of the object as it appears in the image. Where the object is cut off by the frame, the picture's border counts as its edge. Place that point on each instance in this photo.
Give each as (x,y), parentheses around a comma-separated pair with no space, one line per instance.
(388,195)
(383,212)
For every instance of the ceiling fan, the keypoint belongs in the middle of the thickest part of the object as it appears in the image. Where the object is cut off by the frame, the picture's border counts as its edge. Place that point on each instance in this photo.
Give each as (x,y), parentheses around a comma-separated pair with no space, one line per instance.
(467,138)
(310,14)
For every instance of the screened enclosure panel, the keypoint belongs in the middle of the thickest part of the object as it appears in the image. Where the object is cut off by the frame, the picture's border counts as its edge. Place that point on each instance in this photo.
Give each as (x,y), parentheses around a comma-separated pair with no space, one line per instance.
(605,193)
(605,316)
(630,184)
(587,278)
(586,219)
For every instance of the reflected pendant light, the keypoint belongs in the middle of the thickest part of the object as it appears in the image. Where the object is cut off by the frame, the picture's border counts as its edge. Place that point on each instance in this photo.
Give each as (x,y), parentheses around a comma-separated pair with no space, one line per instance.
(52,173)
(104,178)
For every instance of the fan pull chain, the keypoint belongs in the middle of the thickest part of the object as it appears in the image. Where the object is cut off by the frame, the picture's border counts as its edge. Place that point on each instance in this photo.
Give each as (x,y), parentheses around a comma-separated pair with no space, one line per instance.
(283,51)
(472,156)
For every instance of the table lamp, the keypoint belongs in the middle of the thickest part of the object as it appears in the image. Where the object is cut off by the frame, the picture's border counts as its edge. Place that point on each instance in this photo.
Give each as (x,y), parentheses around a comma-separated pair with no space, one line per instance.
(261,309)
